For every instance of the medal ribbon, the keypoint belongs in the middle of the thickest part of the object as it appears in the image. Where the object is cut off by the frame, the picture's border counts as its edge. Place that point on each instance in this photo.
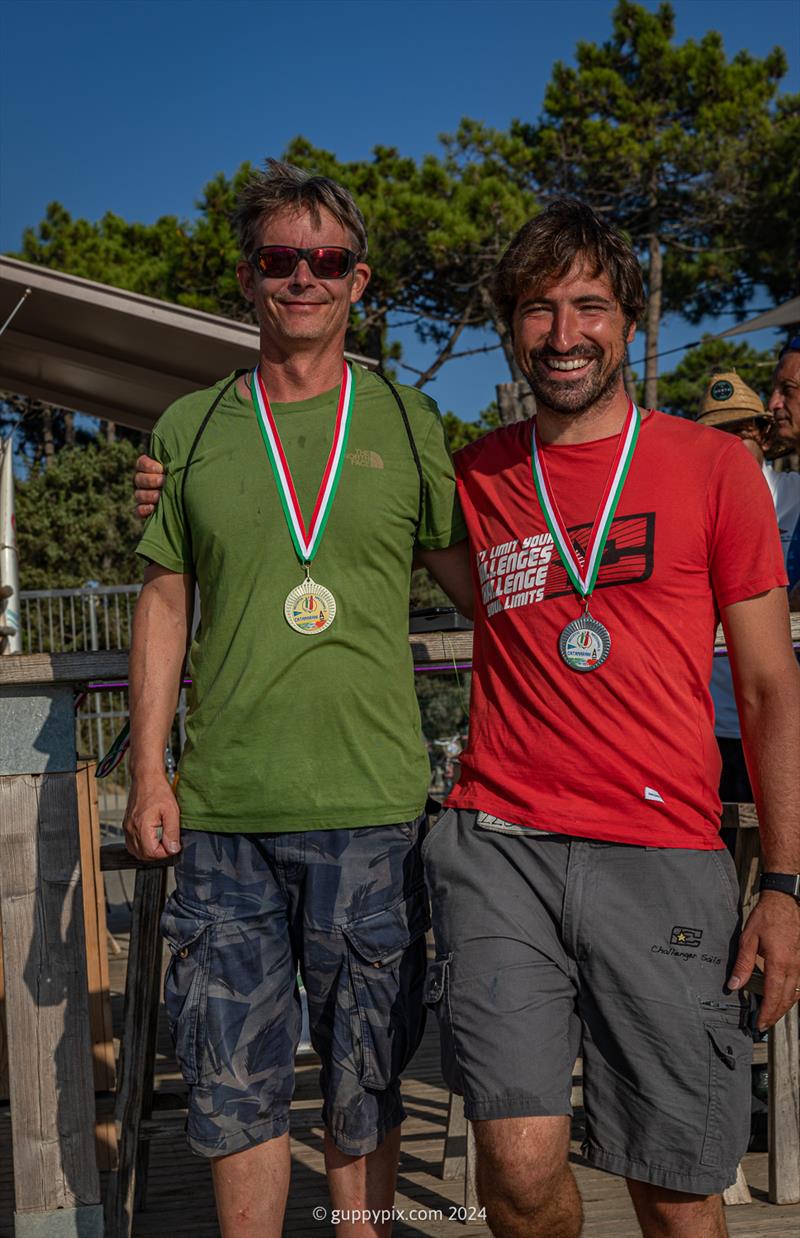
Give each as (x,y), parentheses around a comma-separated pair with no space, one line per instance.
(306,541)
(583,577)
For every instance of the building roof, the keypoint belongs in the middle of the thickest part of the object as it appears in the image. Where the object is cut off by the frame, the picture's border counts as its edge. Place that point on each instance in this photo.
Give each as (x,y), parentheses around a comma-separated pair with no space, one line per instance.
(109,352)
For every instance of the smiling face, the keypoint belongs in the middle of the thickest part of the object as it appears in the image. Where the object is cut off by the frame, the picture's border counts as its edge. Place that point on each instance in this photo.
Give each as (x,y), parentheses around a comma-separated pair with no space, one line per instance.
(301,312)
(570,338)
(784,402)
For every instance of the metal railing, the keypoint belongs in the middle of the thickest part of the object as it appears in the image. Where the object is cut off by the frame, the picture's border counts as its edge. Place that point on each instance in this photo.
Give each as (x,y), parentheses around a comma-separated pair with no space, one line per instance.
(74,620)
(71,620)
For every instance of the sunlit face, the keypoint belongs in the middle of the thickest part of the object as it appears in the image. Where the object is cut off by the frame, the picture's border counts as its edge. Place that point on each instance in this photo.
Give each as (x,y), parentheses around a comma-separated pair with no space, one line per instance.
(303,309)
(569,341)
(784,402)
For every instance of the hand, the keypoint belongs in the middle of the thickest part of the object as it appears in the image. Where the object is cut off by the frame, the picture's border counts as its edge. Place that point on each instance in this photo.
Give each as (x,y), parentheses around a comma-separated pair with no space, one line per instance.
(148,480)
(151,807)
(773,931)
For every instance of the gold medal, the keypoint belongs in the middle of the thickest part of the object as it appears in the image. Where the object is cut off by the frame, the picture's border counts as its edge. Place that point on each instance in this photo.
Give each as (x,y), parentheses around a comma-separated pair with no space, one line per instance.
(310,608)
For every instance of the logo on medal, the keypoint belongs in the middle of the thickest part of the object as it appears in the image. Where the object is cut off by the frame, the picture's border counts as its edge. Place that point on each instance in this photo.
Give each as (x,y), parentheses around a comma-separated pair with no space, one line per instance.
(584,644)
(310,608)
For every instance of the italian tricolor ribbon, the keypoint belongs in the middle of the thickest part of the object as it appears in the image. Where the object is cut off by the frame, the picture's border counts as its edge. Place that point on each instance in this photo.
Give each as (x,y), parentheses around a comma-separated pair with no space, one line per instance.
(306,541)
(583,576)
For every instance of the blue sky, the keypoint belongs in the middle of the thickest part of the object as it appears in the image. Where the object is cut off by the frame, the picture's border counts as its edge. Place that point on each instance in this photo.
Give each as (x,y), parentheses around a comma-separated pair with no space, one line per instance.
(132,105)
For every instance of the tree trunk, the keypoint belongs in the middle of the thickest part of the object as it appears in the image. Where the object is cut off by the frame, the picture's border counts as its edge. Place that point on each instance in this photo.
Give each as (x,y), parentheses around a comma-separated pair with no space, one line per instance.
(515,402)
(504,336)
(653,320)
(110,430)
(630,380)
(48,442)
(69,429)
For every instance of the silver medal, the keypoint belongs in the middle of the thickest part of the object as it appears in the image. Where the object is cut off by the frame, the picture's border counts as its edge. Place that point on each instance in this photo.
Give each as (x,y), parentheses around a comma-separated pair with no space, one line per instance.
(584,644)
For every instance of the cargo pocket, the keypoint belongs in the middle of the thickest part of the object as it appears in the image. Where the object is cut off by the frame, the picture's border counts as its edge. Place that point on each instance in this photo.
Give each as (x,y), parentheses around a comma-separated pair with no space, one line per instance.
(187,931)
(386,960)
(437,999)
(729,1045)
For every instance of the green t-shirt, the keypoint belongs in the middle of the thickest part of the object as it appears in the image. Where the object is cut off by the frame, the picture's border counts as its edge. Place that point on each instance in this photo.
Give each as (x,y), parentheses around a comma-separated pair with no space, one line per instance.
(286,731)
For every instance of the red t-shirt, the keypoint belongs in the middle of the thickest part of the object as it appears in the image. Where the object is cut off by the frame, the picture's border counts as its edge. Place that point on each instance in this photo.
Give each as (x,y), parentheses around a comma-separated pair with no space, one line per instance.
(624,753)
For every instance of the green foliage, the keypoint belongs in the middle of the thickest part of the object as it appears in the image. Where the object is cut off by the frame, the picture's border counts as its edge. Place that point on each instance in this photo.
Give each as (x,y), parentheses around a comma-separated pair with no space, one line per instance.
(443,698)
(460,433)
(685,149)
(681,390)
(75,519)
(668,139)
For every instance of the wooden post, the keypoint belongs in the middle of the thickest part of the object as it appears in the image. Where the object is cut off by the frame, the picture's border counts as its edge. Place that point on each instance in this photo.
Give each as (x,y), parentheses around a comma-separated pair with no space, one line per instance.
(56,1183)
(784,1111)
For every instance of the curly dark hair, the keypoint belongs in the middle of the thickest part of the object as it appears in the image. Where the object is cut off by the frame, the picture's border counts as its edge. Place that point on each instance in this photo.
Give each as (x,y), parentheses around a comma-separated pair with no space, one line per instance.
(545,249)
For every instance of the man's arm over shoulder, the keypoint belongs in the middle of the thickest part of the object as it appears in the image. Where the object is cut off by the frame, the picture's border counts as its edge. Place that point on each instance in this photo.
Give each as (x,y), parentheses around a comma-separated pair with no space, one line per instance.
(148,479)
(767,683)
(161,627)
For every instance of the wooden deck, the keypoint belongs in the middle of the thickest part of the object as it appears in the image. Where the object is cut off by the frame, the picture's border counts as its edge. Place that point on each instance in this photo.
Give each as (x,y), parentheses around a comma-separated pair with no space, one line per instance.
(180,1202)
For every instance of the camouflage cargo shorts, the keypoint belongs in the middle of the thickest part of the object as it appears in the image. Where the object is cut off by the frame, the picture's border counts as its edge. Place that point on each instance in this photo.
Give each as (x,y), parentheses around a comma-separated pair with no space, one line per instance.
(349,908)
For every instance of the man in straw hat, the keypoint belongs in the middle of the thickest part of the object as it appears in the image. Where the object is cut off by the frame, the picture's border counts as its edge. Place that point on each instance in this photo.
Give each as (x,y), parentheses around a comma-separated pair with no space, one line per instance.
(581,897)
(729,405)
(784,404)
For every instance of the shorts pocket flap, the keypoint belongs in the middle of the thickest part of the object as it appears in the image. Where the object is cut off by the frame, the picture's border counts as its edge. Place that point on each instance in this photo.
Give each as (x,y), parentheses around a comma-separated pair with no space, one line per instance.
(724,1041)
(384,935)
(435,981)
(181,927)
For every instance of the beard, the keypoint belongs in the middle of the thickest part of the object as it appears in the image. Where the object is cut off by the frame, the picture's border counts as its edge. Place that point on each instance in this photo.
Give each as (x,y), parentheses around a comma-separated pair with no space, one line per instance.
(579,395)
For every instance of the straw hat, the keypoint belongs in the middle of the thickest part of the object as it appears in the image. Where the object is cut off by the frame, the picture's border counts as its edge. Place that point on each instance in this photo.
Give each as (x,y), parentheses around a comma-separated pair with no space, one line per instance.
(727,399)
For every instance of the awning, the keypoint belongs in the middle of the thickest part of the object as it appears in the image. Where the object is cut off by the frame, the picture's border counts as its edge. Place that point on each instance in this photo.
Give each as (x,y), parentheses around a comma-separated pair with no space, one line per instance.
(781,316)
(108,352)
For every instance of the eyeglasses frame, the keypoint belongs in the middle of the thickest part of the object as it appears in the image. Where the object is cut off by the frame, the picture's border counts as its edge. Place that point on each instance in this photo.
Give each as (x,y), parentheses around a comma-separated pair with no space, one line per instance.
(302,256)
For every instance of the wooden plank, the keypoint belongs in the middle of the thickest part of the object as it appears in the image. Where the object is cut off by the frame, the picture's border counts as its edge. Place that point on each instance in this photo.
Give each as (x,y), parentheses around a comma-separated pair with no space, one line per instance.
(46,668)
(3,1034)
(784,1111)
(127,1185)
(47,1013)
(455,1140)
(96,933)
(738,1192)
(103,664)
(747,860)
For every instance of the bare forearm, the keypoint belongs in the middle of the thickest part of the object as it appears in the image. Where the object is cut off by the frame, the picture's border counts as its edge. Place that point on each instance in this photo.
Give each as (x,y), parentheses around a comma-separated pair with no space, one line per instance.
(770,720)
(158,651)
(450,568)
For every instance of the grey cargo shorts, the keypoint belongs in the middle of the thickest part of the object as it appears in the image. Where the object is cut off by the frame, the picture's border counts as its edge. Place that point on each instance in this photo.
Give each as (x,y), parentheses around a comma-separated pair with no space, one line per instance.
(346,906)
(548,946)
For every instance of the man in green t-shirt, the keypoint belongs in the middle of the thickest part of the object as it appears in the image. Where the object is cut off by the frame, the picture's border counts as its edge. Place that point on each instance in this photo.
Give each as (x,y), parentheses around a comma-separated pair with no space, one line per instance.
(295,499)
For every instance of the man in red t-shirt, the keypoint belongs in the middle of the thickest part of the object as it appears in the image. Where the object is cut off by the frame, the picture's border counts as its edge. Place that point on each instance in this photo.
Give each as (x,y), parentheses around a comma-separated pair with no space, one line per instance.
(582,898)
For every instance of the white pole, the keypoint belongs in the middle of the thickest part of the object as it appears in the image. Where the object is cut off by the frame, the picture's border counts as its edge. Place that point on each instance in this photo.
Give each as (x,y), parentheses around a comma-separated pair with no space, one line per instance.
(10,634)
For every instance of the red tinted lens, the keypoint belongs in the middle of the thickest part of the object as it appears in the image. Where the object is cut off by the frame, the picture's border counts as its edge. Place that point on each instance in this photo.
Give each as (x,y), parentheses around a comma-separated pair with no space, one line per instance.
(329,262)
(276,261)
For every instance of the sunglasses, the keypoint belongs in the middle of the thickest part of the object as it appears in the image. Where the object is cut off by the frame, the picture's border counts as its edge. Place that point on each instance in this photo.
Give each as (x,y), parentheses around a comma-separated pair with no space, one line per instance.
(324,261)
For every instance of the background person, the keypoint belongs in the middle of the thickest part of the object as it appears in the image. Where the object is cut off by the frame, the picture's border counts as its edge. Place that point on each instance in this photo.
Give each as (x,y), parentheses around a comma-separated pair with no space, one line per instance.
(303,778)
(784,404)
(731,406)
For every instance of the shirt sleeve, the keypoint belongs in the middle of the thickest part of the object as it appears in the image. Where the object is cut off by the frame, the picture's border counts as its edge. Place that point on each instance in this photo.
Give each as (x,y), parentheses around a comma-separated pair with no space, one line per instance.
(165,539)
(745,553)
(442,521)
